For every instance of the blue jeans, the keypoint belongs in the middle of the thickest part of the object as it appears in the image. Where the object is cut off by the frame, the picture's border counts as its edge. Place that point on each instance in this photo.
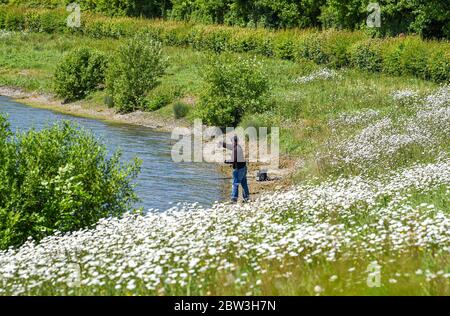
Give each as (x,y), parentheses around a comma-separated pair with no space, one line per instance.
(240,177)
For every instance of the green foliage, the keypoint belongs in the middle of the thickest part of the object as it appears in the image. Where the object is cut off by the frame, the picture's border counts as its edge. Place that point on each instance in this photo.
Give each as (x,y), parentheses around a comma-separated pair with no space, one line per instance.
(134,71)
(20,19)
(438,67)
(148,8)
(162,96)
(108,101)
(38,3)
(284,46)
(412,56)
(252,40)
(180,110)
(336,45)
(158,102)
(111,7)
(258,121)
(51,22)
(429,18)
(366,55)
(14,20)
(330,47)
(58,179)
(312,49)
(336,48)
(80,72)
(392,54)
(234,87)
(267,13)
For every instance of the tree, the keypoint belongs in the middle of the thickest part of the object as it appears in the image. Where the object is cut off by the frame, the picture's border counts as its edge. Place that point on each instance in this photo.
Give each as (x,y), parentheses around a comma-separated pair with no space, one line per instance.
(58,179)
(134,71)
(234,86)
(79,73)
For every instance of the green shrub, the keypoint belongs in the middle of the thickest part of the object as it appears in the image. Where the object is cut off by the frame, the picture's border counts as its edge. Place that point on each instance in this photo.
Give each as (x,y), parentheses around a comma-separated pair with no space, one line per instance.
(284,47)
(108,101)
(158,102)
(162,96)
(215,39)
(133,72)
(195,37)
(33,21)
(429,18)
(438,66)
(79,73)
(258,121)
(102,27)
(3,13)
(51,22)
(408,56)
(259,41)
(312,49)
(112,8)
(337,48)
(14,20)
(392,54)
(233,88)
(58,179)
(336,45)
(37,3)
(175,35)
(330,47)
(414,57)
(366,55)
(180,110)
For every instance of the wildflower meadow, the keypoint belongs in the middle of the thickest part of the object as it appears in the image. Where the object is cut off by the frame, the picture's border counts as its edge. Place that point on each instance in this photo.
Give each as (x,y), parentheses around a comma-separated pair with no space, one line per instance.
(352,98)
(368,233)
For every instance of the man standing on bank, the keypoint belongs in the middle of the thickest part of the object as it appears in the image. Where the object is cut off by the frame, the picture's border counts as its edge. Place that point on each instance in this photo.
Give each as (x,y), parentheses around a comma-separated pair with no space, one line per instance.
(239,170)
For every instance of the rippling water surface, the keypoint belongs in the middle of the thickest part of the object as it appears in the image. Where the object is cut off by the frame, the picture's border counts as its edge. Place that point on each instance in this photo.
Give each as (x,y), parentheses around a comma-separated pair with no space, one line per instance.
(161,181)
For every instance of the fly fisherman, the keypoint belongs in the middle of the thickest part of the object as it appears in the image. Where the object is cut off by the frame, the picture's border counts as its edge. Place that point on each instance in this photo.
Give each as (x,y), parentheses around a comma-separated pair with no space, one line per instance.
(239,170)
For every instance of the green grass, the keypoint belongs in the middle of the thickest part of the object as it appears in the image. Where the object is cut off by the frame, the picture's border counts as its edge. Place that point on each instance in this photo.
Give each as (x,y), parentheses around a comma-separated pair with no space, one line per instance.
(296,278)
(28,61)
(302,111)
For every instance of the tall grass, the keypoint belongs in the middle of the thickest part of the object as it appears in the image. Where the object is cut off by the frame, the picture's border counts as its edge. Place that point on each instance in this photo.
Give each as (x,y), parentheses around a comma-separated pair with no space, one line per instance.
(318,238)
(301,108)
(407,55)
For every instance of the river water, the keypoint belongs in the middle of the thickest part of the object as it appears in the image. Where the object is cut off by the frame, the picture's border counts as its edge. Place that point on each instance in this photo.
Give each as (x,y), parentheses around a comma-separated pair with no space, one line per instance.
(161,182)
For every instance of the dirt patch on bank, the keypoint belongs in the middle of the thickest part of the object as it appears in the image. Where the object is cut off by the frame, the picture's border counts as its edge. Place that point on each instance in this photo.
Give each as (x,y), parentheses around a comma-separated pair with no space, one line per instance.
(279,179)
(100,112)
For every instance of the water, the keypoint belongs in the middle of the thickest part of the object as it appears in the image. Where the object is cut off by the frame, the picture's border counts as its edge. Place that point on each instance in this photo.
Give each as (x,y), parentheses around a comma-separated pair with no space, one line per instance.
(161,182)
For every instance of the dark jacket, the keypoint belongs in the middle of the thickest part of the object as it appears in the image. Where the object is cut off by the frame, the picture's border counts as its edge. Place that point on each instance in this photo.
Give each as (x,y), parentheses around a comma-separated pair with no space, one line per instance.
(237,156)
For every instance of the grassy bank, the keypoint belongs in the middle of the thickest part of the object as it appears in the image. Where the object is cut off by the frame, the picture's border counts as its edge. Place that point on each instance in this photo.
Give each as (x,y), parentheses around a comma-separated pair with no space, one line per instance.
(408,55)
(371,164)
(303,98)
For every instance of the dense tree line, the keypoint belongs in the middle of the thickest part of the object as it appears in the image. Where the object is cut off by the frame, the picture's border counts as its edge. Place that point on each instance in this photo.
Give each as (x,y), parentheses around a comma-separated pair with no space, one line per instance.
(430,18)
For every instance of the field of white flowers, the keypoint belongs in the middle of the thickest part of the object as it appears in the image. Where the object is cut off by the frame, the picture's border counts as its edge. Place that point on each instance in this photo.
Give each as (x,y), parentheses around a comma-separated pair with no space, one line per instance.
(318,238)
(418,127)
